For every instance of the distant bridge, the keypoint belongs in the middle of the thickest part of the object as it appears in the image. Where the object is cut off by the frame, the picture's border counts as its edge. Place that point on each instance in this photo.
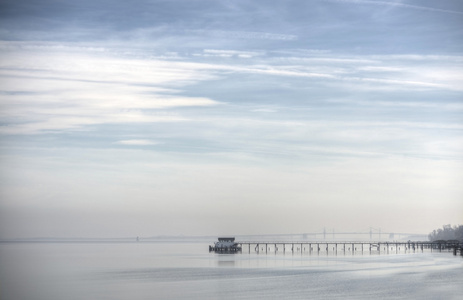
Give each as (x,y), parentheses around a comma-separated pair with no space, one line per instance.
(372,234)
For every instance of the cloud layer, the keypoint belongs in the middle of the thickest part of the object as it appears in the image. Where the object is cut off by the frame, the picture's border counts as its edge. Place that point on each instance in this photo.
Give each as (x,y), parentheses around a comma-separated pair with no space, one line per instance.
(171,115)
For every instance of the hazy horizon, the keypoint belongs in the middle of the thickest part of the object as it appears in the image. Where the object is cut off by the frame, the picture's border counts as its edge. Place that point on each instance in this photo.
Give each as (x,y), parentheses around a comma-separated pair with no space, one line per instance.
(207,117)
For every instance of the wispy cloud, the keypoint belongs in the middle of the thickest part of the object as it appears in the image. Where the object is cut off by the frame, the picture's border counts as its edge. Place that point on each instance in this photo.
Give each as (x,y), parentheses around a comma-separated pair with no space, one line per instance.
(349,73)
(137,142)
(52,87)
(453,106)
(229,53)
(246,35)
(400,4)
(43,91)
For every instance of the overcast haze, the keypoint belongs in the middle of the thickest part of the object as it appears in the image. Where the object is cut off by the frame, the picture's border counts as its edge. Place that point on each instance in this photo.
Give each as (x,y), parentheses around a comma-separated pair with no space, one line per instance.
(142,118)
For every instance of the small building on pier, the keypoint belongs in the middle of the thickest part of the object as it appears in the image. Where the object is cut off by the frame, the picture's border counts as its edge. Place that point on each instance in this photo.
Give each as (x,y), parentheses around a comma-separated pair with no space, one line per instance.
(225,244)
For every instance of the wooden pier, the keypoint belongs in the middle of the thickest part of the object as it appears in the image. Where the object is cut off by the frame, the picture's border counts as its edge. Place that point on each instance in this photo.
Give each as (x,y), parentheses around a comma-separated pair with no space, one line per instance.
(352,247)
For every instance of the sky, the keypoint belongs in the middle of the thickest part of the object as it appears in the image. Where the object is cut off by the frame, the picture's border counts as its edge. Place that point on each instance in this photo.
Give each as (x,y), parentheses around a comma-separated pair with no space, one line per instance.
(201,117)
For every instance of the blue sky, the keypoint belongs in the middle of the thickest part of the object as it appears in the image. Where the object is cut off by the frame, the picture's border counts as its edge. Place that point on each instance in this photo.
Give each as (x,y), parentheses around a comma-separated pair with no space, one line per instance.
(229,117)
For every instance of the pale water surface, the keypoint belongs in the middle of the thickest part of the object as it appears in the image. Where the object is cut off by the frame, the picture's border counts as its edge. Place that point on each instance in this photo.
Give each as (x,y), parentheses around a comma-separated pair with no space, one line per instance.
(56,271)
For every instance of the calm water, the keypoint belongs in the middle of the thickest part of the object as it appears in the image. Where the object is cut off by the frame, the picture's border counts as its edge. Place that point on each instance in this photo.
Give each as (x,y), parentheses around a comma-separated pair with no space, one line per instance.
(114,271)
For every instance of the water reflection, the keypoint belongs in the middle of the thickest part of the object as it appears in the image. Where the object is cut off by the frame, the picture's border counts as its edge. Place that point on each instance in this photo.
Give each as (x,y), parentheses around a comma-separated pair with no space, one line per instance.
(226,260)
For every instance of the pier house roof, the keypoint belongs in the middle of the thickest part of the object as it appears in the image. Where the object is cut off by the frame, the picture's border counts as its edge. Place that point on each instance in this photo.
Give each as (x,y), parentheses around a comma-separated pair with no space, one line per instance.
(226,239)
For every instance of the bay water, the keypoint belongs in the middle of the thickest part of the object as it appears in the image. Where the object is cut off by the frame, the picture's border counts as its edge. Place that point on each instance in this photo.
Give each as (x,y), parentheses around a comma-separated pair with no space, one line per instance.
(186,270)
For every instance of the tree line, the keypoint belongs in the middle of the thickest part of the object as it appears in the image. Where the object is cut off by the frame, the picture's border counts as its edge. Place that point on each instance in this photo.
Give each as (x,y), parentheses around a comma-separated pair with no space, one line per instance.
(446,233)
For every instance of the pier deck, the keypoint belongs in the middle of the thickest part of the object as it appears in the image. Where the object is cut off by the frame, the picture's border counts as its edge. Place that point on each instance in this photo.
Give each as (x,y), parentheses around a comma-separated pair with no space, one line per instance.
(349,246)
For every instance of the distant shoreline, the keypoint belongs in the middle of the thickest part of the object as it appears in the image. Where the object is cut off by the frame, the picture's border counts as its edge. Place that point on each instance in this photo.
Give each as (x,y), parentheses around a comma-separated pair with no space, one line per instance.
(108,240)
(209,238)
